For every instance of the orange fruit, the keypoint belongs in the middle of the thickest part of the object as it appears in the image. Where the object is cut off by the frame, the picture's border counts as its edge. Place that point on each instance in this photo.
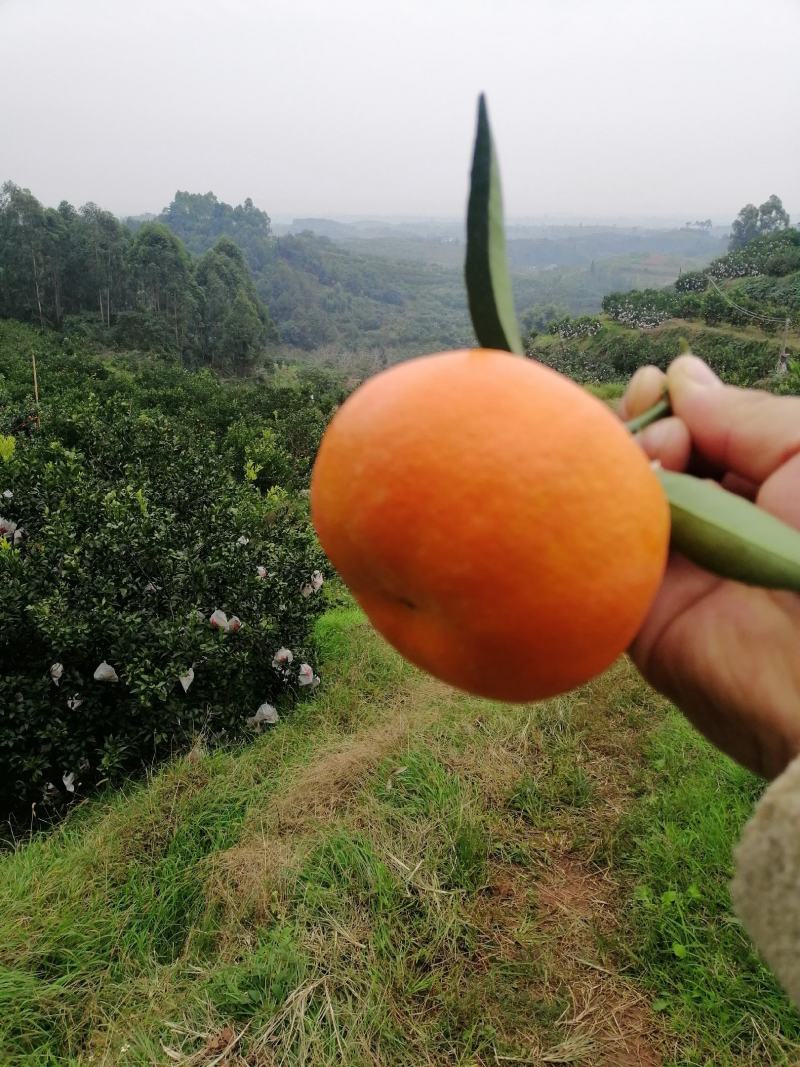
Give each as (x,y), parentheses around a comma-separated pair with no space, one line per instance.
(498,524)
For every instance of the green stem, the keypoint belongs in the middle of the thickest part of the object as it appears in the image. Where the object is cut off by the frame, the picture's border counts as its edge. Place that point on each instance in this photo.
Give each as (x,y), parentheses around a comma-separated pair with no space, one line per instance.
(657,411)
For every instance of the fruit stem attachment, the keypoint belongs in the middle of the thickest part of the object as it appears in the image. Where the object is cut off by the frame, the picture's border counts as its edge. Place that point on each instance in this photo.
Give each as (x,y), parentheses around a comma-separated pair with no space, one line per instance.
(657,411)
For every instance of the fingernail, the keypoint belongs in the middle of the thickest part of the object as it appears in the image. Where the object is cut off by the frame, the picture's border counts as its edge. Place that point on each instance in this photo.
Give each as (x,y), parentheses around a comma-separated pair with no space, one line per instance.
(698,372)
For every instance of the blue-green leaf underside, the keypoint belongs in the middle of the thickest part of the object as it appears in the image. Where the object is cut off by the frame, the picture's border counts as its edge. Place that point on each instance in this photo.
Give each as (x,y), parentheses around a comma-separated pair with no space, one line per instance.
(491,302)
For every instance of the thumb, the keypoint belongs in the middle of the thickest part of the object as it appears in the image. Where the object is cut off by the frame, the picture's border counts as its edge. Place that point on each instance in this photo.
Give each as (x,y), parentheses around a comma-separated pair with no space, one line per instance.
(748,432)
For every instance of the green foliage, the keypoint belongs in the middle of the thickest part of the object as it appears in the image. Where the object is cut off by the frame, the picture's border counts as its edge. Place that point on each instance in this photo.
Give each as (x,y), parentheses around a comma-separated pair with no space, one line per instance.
(607,391)
(371,301)
(259,983)
(538,797)
(166,290)
(567,327)
(200,220)
(364,303)
(750,297)
(139,521)
(790,382)
(612,353)
(756,287)
(782,263)
(752,258)
(676,845)
(537,319)
(642,309)
(745,227)
(752,222)
(83,271)
(321,295)
(693,281)
(234,324)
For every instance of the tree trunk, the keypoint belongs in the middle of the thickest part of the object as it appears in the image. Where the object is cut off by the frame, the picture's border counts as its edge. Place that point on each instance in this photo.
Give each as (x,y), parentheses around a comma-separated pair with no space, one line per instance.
(108,288)
(57,298)
(36,286)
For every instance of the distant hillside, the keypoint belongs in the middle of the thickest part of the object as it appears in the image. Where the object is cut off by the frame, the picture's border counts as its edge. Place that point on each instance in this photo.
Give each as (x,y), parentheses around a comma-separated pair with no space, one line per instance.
(322,296)
(582,246)
(528,246)
(741,313)
(244,293)
(379,293)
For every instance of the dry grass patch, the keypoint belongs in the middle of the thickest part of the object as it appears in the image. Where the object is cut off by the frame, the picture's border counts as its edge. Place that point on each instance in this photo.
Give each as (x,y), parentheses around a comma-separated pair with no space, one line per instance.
(324,787)
(247,876)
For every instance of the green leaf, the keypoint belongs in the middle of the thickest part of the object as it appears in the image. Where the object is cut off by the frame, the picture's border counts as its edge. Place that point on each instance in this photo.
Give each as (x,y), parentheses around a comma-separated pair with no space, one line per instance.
(7,446)
(491,302)
(729,536)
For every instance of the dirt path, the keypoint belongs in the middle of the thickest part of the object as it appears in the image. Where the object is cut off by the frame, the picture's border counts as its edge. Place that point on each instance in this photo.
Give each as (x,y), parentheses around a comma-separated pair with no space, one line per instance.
(566,901)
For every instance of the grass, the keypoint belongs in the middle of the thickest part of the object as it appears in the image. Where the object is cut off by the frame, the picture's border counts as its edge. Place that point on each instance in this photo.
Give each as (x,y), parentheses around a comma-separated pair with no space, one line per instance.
(688,947)
(400,875)
(608,391)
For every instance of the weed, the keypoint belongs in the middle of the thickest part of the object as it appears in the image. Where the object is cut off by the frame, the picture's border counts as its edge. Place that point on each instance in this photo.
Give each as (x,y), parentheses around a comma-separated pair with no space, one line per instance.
(567,786)
(676,844)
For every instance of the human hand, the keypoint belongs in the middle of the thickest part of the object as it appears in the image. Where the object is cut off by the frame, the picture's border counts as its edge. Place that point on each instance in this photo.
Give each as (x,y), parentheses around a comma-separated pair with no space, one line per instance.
(727,654)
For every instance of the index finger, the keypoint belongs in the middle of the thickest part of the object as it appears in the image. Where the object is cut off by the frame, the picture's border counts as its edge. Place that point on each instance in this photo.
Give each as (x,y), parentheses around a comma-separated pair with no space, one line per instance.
(645,388)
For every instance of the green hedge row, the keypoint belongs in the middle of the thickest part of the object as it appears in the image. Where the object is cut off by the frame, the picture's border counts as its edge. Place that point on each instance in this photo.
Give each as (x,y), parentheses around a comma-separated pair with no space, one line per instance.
(613,354)
(131,512)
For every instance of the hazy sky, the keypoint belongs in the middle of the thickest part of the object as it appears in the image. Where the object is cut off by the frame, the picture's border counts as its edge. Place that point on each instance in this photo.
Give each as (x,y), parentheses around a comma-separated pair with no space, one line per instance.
(351,107)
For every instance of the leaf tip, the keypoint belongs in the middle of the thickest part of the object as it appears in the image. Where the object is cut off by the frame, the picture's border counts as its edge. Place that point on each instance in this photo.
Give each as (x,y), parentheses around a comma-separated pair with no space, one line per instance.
(483,116)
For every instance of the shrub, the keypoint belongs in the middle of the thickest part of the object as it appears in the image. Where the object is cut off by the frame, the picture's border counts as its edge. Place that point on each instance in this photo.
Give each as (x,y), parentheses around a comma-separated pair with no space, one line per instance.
(789,383)
(133,527)
(715,308)
(688,305)
(614,354)
(694,281)
(568,328)
(782,263)
(756,255)
(582,363)
(641,309)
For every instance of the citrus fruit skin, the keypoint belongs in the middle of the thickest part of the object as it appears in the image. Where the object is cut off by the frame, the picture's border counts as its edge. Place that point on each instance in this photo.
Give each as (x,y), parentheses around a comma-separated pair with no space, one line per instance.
(498,524)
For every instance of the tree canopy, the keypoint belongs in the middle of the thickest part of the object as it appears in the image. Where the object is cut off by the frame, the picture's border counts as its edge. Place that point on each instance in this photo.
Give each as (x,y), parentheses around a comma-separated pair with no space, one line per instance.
(59,266)
(752,221)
